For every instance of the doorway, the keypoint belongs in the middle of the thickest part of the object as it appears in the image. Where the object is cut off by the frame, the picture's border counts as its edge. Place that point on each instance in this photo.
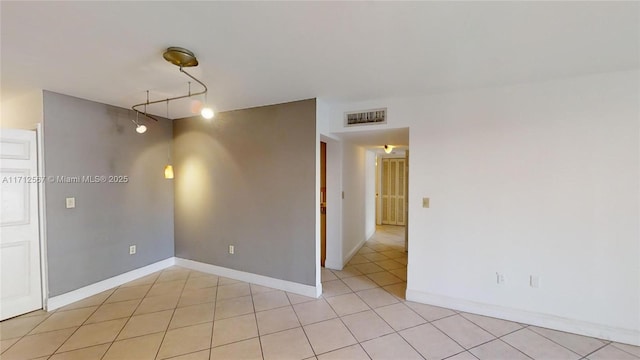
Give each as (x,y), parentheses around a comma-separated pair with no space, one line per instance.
(21,287)
(323,203)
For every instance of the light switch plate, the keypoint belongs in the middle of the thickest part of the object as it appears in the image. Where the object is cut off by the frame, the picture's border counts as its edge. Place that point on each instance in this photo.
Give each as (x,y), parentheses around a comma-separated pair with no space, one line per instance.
(71,202)
(425,202)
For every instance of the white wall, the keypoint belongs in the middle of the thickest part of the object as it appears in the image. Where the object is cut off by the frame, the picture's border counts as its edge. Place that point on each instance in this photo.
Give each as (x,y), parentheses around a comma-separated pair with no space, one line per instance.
(334,259)
(354,203)
(370,193)
(536,179)
(22,112)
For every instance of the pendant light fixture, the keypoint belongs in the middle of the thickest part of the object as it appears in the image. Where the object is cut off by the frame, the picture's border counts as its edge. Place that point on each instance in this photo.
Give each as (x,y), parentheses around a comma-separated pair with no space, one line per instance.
(168,170)
(182,58)
(140,128)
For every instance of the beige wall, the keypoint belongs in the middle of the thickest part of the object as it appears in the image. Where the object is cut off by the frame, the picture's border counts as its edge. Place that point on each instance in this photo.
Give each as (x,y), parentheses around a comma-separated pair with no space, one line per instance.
(248,179)
(21,112)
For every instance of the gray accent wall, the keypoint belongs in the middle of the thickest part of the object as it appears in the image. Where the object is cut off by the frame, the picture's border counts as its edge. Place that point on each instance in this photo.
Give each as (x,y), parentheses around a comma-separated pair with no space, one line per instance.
(91,242)
(248,179)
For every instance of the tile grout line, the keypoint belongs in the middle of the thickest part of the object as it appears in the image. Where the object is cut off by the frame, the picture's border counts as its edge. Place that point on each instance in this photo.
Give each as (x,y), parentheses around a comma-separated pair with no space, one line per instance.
(173,314)
(255,318)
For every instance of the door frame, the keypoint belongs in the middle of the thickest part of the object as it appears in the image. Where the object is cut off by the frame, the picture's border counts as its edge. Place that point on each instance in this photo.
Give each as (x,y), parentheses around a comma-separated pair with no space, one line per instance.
(44,273)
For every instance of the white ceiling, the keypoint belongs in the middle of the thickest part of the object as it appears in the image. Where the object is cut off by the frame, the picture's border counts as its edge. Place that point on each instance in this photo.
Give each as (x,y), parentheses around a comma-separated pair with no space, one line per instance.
(257,53)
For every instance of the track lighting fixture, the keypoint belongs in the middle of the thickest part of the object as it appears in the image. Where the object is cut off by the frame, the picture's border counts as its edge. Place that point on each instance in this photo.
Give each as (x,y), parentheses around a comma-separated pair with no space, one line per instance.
(388,149)
(182,58)
(140,129)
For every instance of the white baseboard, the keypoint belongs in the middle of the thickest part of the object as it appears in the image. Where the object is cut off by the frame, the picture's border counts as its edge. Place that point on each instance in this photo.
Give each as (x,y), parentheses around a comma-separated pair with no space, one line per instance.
(605,332)
(59,301)
(290,286)
(334,265)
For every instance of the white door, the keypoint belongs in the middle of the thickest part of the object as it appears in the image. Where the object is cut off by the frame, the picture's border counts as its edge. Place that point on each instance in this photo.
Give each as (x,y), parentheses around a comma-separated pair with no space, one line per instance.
(393,186)
(20,287)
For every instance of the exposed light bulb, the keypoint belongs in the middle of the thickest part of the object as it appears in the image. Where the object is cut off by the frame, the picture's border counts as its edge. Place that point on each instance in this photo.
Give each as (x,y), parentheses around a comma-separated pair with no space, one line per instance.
(388,149)
(168,172)
(141,129)
(207,113)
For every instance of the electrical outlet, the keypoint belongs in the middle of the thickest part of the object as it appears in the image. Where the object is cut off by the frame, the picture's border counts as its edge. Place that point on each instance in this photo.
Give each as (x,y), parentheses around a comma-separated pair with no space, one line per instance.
(425,202)
(500,278)
(70,202)
(534,281)
(232,249)
(132,249)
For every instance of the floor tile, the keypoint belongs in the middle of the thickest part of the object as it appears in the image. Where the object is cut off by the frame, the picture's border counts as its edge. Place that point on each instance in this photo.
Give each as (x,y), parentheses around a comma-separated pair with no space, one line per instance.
(93,334)
(18,327)
(277,320)
(357,283)
(146,324)
(400,273)
(402,261)
(328,335)
(497,350)
(227,281)
(334,287)
(314,311)
(34,346)
(186,340)
(64,319)
(354,352)
(201,282)
(326,275)
(233,307)
(375,256)
(377,297)
(192,315)
(157,303)
(368,268)
(197,296)
(167,288)
(390,265)
(233,291)
(94,300)
(173,275)
(298,299)
(463,331)
(366,325)
(234,329)
(429,312)
(90,353)
(270,300)
(347,304)
(635,350)
(393,254)
(347,271)
(399,316)
(390,347)
(145,280)
(431,342)
(245,350)
(465,356)
(358,259)
(289,344)
(497,327)
(537,346)
(5,344)
(259,289)
(582,345)
(138,348)
(611,352)
(365,250)
(112,311)
(397,290)
(198,355)
(384,278)
(128,293)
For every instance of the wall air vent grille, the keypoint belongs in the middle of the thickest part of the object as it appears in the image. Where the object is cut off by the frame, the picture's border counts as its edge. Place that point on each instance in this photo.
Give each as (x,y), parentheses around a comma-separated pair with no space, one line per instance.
(366,117)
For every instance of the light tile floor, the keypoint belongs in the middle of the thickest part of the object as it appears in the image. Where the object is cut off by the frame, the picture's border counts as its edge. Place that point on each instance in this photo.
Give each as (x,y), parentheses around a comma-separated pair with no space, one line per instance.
(187,315)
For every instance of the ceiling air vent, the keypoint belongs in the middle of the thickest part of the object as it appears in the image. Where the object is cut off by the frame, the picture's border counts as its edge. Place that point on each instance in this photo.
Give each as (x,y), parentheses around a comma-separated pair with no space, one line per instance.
(366,117)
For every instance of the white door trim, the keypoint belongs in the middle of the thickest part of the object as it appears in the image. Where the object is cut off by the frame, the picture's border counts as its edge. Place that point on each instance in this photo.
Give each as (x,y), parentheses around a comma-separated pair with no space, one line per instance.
(44,273)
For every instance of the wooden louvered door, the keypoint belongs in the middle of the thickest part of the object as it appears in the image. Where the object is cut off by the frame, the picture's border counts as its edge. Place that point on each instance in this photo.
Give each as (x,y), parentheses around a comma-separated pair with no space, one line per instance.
(393,189)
